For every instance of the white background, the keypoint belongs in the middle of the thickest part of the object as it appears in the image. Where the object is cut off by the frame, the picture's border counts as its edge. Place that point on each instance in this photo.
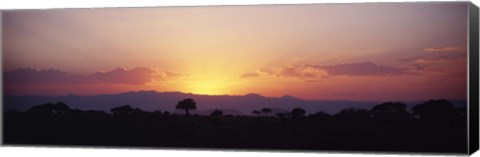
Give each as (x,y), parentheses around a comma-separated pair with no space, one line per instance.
(106,152)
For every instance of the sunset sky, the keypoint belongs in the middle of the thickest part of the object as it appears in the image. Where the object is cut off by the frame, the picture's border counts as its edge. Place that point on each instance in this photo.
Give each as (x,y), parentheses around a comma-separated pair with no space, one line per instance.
(372,51)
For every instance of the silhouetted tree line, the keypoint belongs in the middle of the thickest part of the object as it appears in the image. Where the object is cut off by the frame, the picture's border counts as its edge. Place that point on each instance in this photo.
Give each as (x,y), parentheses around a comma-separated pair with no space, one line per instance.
(432,126)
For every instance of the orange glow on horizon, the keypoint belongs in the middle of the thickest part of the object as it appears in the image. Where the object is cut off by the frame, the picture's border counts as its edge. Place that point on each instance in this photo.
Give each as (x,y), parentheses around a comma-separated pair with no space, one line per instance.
(207,87)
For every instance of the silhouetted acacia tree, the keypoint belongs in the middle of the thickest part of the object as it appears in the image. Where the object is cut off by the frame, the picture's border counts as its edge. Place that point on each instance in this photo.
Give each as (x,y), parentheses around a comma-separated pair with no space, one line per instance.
(390,111)
(266,111)
(187,104)
(434,110)
(125,110)
(320,115)
(257,113)
(50,108)
(61,108)
(297,112)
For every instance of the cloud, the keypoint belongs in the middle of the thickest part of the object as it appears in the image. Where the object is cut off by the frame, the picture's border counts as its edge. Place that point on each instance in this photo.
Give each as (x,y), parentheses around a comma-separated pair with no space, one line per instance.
(34,76)
(266,71)
(140,75)
(312,73)
(175,74)
(419,66)
(302,72)
(432,59)
(359,69)
(434,63)
(292,71)
(443,49)
(135,76)
(247,75)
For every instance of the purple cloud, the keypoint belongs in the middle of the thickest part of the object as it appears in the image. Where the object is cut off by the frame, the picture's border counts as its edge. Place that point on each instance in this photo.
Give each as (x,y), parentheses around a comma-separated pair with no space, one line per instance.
(314,72)
(433,59)
(359,69)
(443,49)
(301,72)
(295,72)
(139,75)
(135,76)
(419,66)
(33,76)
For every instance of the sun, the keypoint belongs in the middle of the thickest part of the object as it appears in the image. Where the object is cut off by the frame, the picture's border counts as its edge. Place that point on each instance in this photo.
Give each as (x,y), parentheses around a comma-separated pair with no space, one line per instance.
(209,87)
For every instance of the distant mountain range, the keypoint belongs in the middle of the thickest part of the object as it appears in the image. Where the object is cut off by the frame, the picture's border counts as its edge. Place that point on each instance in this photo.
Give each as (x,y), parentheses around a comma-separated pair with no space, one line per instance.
(166,101)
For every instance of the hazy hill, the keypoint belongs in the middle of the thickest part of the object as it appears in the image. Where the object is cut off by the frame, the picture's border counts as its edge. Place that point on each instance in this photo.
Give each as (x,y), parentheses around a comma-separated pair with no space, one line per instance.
(166,101)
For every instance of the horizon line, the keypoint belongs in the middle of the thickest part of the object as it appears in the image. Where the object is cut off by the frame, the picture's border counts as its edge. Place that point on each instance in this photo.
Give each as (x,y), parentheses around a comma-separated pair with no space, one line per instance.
(231,95)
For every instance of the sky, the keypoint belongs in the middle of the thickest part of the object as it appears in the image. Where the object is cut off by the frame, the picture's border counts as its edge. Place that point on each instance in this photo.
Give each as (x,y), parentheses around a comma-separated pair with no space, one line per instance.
(370,51)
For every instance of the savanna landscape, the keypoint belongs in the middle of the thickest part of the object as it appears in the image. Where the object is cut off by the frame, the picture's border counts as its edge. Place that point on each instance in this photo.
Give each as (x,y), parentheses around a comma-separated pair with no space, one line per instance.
(386,77)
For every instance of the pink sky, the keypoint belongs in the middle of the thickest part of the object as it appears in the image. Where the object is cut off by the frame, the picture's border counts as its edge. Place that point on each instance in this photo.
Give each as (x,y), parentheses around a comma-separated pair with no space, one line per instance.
(372,51)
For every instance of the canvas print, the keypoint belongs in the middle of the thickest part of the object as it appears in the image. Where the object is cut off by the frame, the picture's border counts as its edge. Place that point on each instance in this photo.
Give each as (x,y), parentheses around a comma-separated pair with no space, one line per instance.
(388,77)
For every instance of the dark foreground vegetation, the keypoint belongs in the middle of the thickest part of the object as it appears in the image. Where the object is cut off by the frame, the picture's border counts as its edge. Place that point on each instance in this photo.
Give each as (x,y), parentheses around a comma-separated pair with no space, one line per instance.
(434,126)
